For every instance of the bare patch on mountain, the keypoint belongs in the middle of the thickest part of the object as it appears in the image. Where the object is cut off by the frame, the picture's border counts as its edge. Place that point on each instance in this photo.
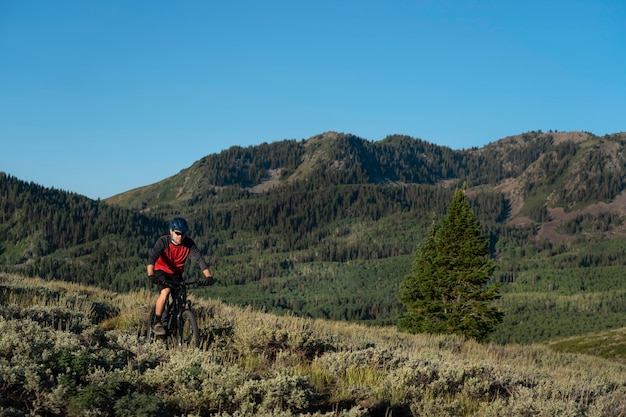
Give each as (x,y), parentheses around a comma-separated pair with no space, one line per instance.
(272,181)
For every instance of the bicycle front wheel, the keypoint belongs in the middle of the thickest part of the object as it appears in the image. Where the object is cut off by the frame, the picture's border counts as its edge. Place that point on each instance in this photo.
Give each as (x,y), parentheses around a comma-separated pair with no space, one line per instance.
(189,334)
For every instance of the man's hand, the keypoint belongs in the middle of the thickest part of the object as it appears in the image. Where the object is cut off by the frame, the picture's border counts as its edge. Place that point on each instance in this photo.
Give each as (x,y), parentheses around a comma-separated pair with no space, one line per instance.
(209,281)
(154,279)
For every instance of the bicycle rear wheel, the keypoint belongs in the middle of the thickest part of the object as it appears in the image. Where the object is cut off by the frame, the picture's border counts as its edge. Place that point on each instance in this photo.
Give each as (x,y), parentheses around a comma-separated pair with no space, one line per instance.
(150,336)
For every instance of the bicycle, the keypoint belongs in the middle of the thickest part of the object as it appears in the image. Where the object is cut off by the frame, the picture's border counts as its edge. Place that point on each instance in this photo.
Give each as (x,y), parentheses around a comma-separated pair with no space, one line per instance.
(178,317)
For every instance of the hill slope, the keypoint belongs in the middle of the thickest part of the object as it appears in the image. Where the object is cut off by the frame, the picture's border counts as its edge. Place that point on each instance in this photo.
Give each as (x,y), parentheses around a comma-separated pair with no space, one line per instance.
(327,227)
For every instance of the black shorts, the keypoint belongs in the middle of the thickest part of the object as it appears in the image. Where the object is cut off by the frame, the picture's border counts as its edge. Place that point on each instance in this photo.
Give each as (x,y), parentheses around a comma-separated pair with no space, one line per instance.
(161,275)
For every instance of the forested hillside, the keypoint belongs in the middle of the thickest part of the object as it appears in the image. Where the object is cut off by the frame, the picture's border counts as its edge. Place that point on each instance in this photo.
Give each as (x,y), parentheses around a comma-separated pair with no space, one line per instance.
(60,235)
(328,226)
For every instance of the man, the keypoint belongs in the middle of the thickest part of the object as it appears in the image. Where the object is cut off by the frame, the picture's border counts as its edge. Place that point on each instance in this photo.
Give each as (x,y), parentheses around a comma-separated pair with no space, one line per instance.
(167,262)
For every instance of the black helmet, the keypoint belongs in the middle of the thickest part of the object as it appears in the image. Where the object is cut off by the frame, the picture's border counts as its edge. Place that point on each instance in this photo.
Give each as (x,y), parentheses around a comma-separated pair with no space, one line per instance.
(180,224)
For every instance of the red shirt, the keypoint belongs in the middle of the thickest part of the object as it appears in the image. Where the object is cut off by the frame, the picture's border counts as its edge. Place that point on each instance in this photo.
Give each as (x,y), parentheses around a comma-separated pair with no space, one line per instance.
(171,258)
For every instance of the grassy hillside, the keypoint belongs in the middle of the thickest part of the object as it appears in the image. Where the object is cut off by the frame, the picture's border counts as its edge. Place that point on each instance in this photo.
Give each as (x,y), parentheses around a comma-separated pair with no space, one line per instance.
(71,350)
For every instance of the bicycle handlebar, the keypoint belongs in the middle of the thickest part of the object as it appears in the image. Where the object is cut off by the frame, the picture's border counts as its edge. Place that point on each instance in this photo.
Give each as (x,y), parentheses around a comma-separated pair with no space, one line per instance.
(199,283)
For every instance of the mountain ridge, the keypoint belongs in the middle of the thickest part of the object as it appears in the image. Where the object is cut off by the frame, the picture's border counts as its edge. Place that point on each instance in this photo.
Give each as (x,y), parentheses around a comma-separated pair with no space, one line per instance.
(518,176)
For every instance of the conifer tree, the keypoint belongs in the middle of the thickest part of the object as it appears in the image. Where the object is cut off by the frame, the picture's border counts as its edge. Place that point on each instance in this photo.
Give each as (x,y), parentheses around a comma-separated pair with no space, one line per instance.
(448,288)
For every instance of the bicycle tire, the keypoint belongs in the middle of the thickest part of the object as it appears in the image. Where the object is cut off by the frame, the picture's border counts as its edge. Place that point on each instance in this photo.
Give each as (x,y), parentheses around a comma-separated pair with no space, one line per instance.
(150,336)
(190,334)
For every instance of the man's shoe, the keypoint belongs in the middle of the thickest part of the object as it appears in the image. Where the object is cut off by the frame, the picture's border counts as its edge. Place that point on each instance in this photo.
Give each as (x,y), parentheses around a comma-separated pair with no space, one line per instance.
(158,329)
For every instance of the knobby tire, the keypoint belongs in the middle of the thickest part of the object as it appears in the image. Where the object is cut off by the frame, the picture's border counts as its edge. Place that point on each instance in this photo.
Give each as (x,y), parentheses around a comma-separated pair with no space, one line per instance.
(190,332)
(151,337)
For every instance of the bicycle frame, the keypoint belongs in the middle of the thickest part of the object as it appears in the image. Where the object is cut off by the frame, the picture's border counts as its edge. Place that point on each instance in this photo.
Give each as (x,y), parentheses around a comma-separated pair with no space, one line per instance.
(178,317)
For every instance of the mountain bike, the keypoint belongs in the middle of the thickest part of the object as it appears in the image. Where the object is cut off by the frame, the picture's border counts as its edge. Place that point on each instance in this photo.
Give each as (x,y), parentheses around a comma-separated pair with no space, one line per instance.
(178,318)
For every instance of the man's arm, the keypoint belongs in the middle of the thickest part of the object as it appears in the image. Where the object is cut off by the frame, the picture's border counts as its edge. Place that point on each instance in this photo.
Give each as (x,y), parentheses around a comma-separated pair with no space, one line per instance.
(197,257)
(159,247)
(208,276)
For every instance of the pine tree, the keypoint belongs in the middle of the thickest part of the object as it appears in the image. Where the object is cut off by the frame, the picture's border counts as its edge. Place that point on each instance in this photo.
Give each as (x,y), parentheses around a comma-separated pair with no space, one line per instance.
(447,290)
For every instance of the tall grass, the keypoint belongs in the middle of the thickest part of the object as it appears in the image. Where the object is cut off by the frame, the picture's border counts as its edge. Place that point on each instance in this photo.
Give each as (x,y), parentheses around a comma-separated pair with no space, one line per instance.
(72,350)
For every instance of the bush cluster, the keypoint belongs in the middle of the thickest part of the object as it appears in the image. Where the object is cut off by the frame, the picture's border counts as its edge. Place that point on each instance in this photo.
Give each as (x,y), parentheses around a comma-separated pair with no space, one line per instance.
(255,364)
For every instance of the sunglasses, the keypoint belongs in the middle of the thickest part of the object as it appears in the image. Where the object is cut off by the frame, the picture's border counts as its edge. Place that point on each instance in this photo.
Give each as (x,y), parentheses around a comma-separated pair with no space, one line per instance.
(177,233)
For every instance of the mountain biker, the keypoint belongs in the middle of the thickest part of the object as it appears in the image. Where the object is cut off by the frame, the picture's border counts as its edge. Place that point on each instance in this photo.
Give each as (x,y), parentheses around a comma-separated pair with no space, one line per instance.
(167,262)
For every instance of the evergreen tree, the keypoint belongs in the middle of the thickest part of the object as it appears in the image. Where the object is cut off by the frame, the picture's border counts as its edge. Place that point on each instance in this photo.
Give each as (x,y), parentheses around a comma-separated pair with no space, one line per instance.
(447,290)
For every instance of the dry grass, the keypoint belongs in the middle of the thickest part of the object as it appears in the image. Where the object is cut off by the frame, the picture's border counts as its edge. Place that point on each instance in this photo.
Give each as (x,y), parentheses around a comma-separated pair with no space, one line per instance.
(252,363)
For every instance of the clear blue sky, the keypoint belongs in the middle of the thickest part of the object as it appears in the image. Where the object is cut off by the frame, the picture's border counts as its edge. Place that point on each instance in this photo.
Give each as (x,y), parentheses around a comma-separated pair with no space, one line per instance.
(99,97)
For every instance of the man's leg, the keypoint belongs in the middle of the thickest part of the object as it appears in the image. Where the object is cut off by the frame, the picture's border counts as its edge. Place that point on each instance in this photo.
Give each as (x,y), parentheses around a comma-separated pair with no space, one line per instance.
(160,302)
(158,328)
